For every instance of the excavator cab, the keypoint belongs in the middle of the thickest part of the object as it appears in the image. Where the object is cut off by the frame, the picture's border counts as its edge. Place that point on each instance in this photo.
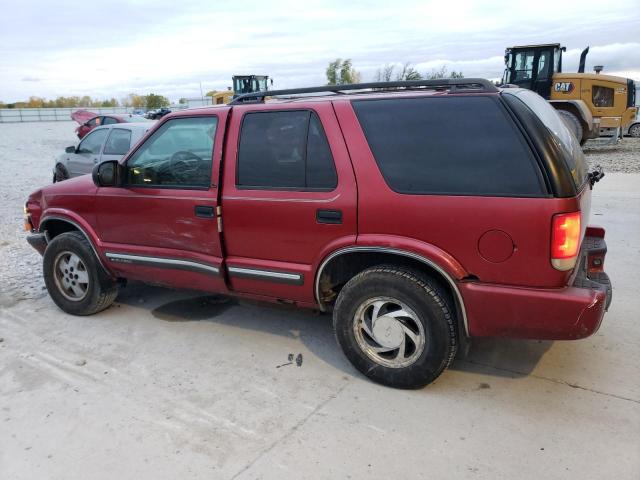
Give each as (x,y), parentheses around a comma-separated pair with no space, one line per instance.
(249,84)
(532,66)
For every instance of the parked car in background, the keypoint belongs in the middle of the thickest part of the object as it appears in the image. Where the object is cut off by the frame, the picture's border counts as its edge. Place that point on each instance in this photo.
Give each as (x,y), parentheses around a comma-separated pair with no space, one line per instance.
(108,142)
(138,111)
(89,120)
(157,114)
(633,129)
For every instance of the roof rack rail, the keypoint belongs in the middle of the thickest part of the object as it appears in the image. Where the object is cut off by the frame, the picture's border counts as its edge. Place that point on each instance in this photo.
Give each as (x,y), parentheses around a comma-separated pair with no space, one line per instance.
(453,85)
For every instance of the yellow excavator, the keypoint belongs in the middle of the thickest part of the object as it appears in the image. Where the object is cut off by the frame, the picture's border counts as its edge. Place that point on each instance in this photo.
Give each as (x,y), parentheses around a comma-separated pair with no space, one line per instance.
(589,102)
(242,84)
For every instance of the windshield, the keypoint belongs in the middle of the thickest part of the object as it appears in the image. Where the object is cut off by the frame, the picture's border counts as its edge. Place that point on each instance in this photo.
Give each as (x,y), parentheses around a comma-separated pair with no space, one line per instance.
(555,124)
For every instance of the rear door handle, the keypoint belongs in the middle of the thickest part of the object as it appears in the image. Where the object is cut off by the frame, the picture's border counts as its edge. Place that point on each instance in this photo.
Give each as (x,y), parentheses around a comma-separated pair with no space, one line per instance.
(205,211)
(329,216)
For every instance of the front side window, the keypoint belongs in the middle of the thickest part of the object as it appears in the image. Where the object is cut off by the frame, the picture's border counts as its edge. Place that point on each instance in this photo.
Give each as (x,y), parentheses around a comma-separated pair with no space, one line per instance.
(109,121)
(602,96)
(448,146)
(178,155)
(92,143)
(94,121)
(285,150)
(118,142)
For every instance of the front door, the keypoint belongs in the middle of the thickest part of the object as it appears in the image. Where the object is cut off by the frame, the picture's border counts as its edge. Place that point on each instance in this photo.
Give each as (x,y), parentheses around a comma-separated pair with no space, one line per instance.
(289,198)
(160,226)
(88,153)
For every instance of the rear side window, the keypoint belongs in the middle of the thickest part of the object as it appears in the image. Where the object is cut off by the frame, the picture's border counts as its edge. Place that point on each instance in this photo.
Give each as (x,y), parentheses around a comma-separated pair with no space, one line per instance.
(109,121)
(285,150)
(118,142)
(451,145)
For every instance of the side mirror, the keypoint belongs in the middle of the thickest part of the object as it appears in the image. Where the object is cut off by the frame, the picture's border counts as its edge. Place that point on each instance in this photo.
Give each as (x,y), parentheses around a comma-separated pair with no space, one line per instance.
(71,149)
(107,174)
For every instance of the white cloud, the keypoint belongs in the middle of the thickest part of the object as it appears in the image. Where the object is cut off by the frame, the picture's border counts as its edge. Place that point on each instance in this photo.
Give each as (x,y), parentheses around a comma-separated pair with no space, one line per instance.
(113,48)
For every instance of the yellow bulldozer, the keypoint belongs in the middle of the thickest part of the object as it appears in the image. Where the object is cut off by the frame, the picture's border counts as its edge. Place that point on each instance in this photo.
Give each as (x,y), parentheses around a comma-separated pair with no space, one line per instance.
(589,102)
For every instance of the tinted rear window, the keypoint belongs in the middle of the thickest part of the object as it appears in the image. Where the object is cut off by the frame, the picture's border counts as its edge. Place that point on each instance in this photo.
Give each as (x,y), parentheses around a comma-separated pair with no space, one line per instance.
(448,145)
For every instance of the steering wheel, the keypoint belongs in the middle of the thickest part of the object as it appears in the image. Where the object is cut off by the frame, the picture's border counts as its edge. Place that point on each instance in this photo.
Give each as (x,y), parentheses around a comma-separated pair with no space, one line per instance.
(183,156)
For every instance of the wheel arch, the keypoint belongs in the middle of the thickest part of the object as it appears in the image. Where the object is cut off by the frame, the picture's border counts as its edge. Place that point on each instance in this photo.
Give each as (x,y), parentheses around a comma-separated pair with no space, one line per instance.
(54,225)
(342,264)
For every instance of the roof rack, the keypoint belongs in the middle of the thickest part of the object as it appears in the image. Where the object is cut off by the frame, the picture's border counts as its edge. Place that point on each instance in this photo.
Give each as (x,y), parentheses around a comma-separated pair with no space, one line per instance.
(453,85)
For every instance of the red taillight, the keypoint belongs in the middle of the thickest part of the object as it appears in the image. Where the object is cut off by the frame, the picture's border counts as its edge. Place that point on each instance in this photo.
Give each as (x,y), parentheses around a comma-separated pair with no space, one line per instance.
(565,239)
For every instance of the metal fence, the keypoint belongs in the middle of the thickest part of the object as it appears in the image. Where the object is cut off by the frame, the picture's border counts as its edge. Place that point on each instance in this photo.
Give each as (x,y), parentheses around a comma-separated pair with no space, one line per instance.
(11,115)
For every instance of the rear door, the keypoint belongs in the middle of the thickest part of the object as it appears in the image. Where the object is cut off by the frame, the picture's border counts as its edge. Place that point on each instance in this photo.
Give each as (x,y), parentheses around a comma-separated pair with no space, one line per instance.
(117,145)
(160,226)
(289,197)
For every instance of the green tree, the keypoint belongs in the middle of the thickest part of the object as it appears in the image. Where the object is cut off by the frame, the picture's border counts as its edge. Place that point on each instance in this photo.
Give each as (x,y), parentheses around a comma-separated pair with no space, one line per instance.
(341,72)
(183,101)
(442,72)
(156,101)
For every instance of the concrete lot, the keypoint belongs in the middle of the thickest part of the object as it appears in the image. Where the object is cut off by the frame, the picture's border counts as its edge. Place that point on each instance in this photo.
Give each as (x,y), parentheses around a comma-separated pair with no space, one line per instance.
(174,385)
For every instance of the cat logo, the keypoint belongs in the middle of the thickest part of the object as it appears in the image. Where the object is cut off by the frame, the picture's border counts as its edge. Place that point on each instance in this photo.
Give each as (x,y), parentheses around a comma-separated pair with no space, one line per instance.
(565,87)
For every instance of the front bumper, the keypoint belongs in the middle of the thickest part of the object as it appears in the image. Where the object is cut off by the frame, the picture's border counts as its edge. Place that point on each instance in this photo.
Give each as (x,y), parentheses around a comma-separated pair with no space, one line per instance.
(568,313)
(38,241)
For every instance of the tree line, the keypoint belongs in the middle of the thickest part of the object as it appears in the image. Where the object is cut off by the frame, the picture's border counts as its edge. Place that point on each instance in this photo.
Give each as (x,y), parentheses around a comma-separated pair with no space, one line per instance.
(134,100)
(341,72)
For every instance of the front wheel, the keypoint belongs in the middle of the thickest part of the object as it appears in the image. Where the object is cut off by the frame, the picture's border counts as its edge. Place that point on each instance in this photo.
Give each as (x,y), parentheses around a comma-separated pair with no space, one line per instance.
(395,326)
(75,280)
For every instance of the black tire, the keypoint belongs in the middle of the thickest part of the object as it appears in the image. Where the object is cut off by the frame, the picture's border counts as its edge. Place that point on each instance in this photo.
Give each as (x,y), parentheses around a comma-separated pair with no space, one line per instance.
(60,173)
(414,292)
(574,125)
(100,291)
(634,130)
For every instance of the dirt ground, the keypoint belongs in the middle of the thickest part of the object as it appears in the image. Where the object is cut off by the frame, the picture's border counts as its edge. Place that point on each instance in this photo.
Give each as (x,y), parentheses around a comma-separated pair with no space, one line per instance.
(168,385)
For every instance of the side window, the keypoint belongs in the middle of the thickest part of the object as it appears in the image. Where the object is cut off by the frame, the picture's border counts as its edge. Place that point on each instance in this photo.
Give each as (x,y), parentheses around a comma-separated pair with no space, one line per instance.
(109,121)
(178,154)
(118,142)
(448,146)
(92,143)
(524,65)
(94,121)
(286,150)
(602,96)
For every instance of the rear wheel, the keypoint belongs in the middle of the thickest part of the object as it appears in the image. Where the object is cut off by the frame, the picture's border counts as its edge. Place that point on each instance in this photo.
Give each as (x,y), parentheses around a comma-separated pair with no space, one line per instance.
(395,326)
(75,280)
(573,123)
(634,130)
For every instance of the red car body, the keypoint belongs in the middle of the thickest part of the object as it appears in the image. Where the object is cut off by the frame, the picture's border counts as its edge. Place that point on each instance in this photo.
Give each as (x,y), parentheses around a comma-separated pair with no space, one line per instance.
(89,120)
(492,253)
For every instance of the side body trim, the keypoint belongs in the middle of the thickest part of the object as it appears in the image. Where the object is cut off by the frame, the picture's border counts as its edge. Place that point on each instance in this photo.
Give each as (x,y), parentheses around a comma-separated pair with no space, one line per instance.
(161,262)
(403,253)
(269,275)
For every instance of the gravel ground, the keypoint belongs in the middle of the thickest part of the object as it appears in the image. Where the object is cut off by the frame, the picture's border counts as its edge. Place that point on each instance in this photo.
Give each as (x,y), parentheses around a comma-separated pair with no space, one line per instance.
(27,152)
(622,157)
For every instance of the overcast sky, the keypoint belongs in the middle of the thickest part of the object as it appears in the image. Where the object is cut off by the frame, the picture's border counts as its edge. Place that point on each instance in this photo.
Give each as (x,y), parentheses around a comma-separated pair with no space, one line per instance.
(115,47)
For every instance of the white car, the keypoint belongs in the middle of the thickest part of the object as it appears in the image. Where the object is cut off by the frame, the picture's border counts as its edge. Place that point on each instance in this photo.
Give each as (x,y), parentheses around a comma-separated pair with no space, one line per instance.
(633,129)
(108,142)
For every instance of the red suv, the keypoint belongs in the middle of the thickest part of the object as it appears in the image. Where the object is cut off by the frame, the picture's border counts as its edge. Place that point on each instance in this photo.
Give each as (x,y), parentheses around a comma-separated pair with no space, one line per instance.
(420,213)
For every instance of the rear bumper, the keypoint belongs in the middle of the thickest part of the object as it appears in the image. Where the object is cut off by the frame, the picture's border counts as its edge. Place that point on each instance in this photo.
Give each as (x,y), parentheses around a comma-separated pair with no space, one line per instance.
(568,313)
